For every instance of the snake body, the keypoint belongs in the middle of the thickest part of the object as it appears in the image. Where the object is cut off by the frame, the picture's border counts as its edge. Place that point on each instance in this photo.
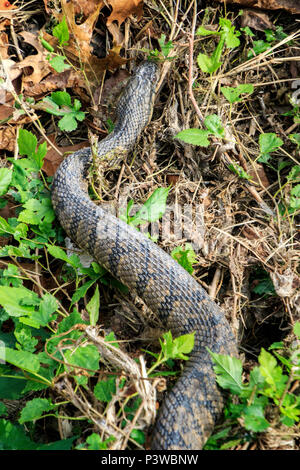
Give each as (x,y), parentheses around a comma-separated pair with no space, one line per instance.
(191,408)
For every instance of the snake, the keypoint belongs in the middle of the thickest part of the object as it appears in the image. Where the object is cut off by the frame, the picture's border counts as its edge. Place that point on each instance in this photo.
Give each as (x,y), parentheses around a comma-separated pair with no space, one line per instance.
(193,406)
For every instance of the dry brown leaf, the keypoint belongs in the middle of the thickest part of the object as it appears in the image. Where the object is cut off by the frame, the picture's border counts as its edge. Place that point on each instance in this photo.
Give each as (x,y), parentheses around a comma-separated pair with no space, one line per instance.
(293,6)
(5,5)
(256,20)
(53,159)
(121,9)
(39,64)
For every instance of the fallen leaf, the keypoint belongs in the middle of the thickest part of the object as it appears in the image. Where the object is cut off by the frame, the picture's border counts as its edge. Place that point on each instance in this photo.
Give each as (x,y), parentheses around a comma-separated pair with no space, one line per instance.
(256,20)
(293,6)
(122,9)
(53,159)
(5,5)
(39,64)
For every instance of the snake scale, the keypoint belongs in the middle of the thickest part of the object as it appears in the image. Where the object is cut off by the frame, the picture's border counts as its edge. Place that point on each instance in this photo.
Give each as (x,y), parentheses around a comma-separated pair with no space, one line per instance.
(190,410)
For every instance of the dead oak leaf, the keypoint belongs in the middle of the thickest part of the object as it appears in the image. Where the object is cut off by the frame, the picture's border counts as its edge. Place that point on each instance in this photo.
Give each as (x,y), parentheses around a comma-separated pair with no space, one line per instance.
(39,63)
(122,9)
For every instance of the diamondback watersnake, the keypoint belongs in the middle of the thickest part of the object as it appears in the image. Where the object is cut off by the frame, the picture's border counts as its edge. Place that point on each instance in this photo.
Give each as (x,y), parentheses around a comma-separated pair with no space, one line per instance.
(191,408)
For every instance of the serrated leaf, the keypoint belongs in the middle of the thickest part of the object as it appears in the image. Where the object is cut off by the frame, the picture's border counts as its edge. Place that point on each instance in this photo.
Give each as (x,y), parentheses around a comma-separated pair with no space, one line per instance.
(12,300)
(105,389)
(5,179)
(186,257)
(22,359)
(58,63)
(194,137)
(83,356)
(61,32)
(35,408)
(254,419)
(229,372)
(36,211)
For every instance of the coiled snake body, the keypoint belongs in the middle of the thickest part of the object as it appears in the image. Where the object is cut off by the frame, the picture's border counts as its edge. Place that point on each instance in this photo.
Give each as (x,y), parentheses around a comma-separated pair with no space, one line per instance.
(190,410)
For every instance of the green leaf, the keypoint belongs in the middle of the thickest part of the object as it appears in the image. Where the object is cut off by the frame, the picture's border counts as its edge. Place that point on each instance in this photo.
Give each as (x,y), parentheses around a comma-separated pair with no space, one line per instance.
(13,437)
(296,329)
(233,94)
(166,47)
(105,389)
(37,211)
(254,419)
(194,137)
(22,359)
(229,33)
(3,410)
(59,103)
(201,31)
(295,138)
(93,307)
(25,339)
(138,435)
(185,257)
(81,291)
(229,372)
(35,408)
(272,373)
(83,356)
(154,208)
(12,300)
(58,63)
(47,307)
(61,32)
(268,143)
(208,64)
(239,171)
(214,125)
(27,142)
(177,348)
(5,179)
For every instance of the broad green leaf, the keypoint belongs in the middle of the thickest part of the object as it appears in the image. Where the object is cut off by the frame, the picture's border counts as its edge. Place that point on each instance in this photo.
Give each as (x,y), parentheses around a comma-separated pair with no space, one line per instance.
(83,356)
(229,372)
(13,437)
(59,64)
(35,408)
(5,179)
(47,307)
(208,64)
(105,389)
(155,206)
(61,32)
(233,94)
(201,31)
(194,137)
(22,359)
(27,142)
(82,290)
(254,419)
(12,300)
(268,143)
(93,307)
(36,211)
